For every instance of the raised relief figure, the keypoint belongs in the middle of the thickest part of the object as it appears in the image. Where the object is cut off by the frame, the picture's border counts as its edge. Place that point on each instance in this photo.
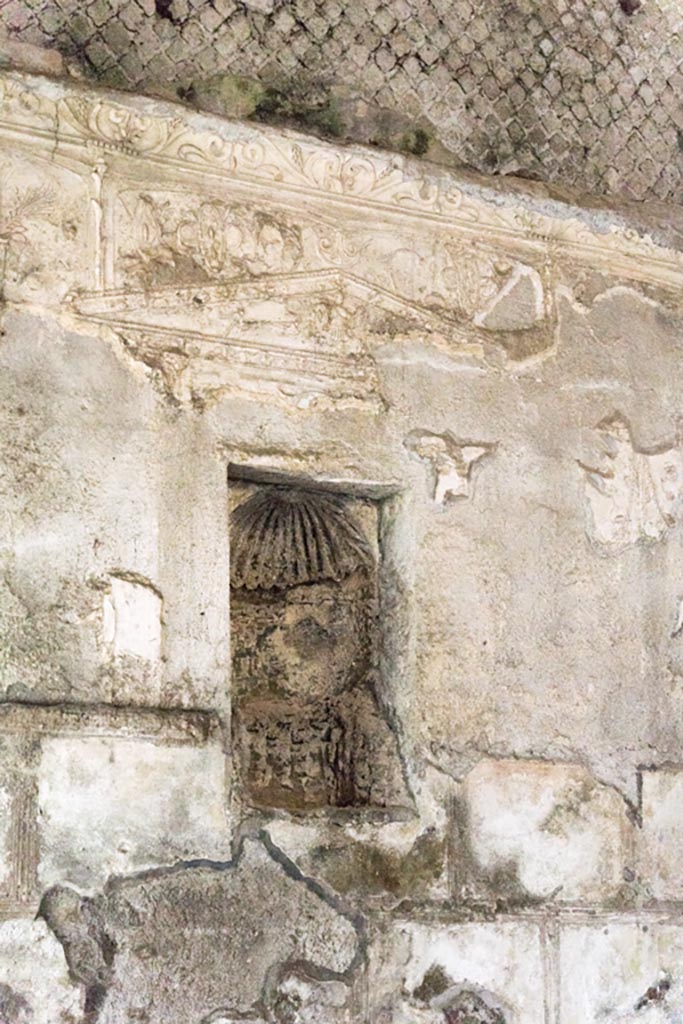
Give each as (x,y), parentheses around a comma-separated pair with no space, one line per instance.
(309,730)
(631,495)
(176,242)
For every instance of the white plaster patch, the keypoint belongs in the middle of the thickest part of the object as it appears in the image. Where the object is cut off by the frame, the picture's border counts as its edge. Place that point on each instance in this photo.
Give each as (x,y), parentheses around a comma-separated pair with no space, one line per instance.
(553,825)
(6,853)
(632,495)
(34,980)
(113,806)
(502,958)
(621,973)
(661,837)
(132,619)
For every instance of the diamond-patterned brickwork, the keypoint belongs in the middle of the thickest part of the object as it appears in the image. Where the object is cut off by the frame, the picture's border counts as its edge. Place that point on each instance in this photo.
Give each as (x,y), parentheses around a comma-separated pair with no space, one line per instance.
(571,91)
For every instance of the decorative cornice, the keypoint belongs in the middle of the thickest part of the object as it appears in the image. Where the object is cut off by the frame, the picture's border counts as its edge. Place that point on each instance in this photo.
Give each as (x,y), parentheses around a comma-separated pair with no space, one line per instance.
(133,130)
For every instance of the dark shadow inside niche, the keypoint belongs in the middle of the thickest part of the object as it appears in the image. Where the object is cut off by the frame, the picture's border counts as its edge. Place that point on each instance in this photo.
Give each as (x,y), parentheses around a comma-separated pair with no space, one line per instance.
(311,732)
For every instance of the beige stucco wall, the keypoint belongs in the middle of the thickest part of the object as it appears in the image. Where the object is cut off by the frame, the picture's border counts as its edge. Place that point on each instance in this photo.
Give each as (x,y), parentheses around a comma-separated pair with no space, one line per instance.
(184,295)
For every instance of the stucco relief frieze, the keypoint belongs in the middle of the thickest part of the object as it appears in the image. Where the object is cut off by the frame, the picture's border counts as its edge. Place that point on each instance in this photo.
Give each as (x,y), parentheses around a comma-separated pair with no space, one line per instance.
(303,335)
(179,238)
(301,260)
(324,292)
(385,179)
(173,236)
(262,155)
(111,126)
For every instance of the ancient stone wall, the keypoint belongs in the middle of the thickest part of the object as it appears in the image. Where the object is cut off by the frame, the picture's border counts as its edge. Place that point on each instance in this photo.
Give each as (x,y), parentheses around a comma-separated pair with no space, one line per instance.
(341,604)
(578,93)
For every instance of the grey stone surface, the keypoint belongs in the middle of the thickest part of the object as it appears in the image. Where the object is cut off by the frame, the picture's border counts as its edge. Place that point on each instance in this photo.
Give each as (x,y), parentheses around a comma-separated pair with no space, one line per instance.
(184,944)
(583,93)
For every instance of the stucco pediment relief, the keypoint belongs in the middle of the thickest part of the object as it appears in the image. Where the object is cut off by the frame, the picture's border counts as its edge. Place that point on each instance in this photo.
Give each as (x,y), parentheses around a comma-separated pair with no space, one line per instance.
(306,336)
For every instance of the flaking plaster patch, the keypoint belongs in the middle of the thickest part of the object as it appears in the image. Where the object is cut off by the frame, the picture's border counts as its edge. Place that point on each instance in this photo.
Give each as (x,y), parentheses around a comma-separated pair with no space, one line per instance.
(206,940)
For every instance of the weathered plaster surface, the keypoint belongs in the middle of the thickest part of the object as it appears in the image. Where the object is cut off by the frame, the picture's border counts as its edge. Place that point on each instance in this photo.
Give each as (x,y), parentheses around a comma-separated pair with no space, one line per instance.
(191,309)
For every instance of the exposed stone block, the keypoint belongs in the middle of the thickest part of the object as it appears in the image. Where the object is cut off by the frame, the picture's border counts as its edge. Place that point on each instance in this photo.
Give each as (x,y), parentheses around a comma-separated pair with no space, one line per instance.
(660,864)
(42,61)
(110,806)
(625,972)
(550,828)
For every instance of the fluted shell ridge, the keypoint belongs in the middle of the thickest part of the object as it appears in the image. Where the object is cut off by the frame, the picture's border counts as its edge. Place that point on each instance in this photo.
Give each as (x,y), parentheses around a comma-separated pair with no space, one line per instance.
(282,537)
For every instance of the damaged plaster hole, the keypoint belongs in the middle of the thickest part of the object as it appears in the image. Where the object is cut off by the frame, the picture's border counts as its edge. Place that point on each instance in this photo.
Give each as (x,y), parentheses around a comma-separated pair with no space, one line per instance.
(678,625)
(310,727)
(459,1004)
(164,9)
(132,618)
(469,1007)
(656,993)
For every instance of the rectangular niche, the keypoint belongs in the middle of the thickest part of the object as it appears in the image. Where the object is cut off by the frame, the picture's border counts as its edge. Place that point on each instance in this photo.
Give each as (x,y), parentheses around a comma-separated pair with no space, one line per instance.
(310,730)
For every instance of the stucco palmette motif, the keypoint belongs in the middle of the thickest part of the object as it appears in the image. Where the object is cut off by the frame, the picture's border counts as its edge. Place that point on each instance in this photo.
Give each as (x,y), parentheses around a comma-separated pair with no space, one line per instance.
(632,495)
(310,536)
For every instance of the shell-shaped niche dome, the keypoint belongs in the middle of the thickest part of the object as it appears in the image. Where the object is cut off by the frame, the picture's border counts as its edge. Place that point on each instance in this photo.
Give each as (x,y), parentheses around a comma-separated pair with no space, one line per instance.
(282,537)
